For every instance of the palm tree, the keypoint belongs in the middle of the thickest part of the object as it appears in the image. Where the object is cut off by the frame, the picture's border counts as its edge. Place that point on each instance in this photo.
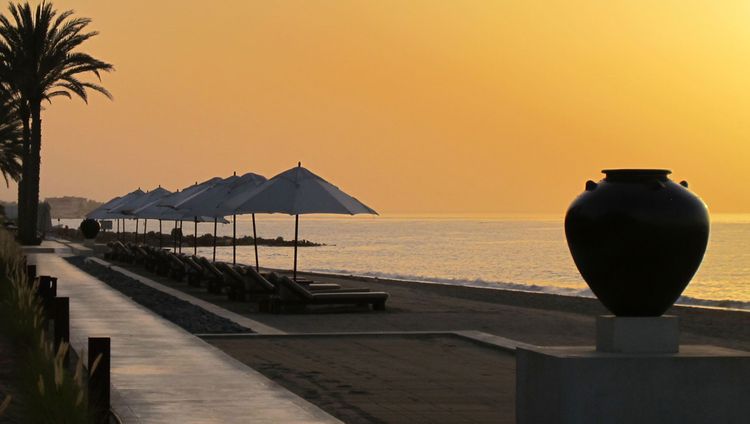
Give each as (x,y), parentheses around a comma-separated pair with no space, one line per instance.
(10,139)
(10,63)
(10,156)
(39,61)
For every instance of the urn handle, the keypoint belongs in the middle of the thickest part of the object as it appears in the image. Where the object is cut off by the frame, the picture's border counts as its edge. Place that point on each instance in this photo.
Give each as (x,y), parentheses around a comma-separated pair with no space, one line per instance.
(684,183)
(591,186)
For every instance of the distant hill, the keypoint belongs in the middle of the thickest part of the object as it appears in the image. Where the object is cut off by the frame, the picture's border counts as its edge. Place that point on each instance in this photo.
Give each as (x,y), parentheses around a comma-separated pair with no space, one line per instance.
(71,207)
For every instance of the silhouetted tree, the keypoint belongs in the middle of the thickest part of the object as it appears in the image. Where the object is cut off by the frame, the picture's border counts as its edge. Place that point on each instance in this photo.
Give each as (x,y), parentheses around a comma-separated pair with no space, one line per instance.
(10,138)
(39,61)
(10,93)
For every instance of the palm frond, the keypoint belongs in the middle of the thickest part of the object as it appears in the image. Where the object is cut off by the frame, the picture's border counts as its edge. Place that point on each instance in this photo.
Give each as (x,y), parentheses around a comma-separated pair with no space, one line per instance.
(39,54)
(11,145)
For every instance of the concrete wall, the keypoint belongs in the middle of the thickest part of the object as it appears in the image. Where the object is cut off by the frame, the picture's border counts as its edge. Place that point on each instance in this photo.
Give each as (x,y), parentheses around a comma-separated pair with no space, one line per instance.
(701,384)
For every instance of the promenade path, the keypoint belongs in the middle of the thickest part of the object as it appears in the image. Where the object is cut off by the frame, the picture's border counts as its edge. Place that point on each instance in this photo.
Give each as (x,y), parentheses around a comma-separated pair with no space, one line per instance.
(161,373)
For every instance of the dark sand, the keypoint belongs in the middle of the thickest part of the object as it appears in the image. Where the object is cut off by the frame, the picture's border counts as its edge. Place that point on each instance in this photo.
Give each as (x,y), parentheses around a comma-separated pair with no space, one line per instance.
(420,378)
(534,318)
(388,379)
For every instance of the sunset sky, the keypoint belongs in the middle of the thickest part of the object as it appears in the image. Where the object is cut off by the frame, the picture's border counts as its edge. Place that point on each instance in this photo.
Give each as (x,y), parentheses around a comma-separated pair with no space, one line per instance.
(411,106)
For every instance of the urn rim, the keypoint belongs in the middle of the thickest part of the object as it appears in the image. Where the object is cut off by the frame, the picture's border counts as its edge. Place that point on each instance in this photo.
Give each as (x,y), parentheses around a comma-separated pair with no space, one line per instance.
(636,174)
(636,171)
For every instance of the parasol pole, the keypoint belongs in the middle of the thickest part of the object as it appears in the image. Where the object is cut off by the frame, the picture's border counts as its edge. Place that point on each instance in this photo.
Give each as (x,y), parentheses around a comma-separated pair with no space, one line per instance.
(296,230)
(255,242)
(215,219)
(234,239)
(180,237)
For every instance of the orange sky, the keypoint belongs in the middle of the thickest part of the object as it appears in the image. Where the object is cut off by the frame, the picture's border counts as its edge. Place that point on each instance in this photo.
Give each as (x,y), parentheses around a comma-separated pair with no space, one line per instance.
(412,106)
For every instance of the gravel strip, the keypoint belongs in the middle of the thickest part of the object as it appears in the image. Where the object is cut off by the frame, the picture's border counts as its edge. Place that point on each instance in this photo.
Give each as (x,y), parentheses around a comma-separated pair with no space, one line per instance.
(192,318)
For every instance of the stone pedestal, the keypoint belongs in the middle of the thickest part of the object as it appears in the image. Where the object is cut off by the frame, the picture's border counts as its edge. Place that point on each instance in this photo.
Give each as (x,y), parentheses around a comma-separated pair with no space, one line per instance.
(637,334)
(628,380)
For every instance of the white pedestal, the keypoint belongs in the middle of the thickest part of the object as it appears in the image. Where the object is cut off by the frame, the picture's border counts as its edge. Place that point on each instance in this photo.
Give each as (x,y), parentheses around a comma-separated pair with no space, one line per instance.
(637,334)
(621,382)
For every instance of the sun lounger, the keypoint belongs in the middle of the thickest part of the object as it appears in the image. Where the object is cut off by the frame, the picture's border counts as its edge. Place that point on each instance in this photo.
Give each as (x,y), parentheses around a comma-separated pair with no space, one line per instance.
(123,252)
(258,280)
(177,267)
(111,253)
(213,277)
(232,281)
(312,286)
(241,286)
(292,294)
(114,250)
(148,258)
(158,260)
(193,270)
(141,257)
(265,289)
(246,284)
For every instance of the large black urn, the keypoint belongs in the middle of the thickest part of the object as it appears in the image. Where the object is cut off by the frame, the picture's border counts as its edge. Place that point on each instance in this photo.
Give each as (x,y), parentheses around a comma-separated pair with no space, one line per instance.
(637,238)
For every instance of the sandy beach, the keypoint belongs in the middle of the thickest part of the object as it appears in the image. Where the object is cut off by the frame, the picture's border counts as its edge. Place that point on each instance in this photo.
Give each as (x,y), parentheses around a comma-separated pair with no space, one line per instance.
(388,379)
(391,378)
(534,318)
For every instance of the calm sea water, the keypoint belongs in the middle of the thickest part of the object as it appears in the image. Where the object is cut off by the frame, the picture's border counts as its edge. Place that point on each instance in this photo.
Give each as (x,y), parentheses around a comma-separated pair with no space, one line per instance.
(517,252)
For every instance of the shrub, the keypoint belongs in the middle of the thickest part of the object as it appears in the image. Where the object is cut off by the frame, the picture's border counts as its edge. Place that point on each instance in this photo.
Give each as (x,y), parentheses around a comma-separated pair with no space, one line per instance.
(50,394)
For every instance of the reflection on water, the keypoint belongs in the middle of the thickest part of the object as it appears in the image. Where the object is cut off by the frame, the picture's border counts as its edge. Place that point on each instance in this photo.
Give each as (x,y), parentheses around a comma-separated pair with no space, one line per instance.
(521,251)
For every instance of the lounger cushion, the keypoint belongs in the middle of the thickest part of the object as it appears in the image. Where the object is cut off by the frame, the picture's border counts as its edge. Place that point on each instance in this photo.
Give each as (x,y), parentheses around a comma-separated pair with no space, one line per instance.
(338,296)
(258,280)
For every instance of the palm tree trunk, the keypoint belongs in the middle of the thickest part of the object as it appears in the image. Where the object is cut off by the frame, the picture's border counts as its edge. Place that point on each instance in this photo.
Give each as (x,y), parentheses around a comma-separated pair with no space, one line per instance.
(26,135)
(31,190)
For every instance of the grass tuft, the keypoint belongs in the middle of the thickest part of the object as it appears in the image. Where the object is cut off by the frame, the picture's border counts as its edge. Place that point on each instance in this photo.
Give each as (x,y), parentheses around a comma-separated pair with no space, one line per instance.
(48,392)
(6,403)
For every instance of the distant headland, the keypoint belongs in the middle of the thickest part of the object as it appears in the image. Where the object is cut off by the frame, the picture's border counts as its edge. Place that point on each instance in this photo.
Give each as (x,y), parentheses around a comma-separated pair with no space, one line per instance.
(167,240)
(66,207)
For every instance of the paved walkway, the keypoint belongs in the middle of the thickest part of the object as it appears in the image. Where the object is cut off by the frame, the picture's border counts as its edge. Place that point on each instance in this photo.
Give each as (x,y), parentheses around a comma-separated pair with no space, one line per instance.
(161,373)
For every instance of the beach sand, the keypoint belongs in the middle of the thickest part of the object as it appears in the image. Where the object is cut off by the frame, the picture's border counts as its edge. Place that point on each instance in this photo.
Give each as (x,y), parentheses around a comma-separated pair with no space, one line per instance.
(535,318)
(388,379)
(437,378)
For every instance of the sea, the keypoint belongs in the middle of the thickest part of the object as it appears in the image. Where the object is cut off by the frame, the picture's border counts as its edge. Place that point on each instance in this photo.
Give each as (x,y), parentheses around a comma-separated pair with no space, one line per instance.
(517,252)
